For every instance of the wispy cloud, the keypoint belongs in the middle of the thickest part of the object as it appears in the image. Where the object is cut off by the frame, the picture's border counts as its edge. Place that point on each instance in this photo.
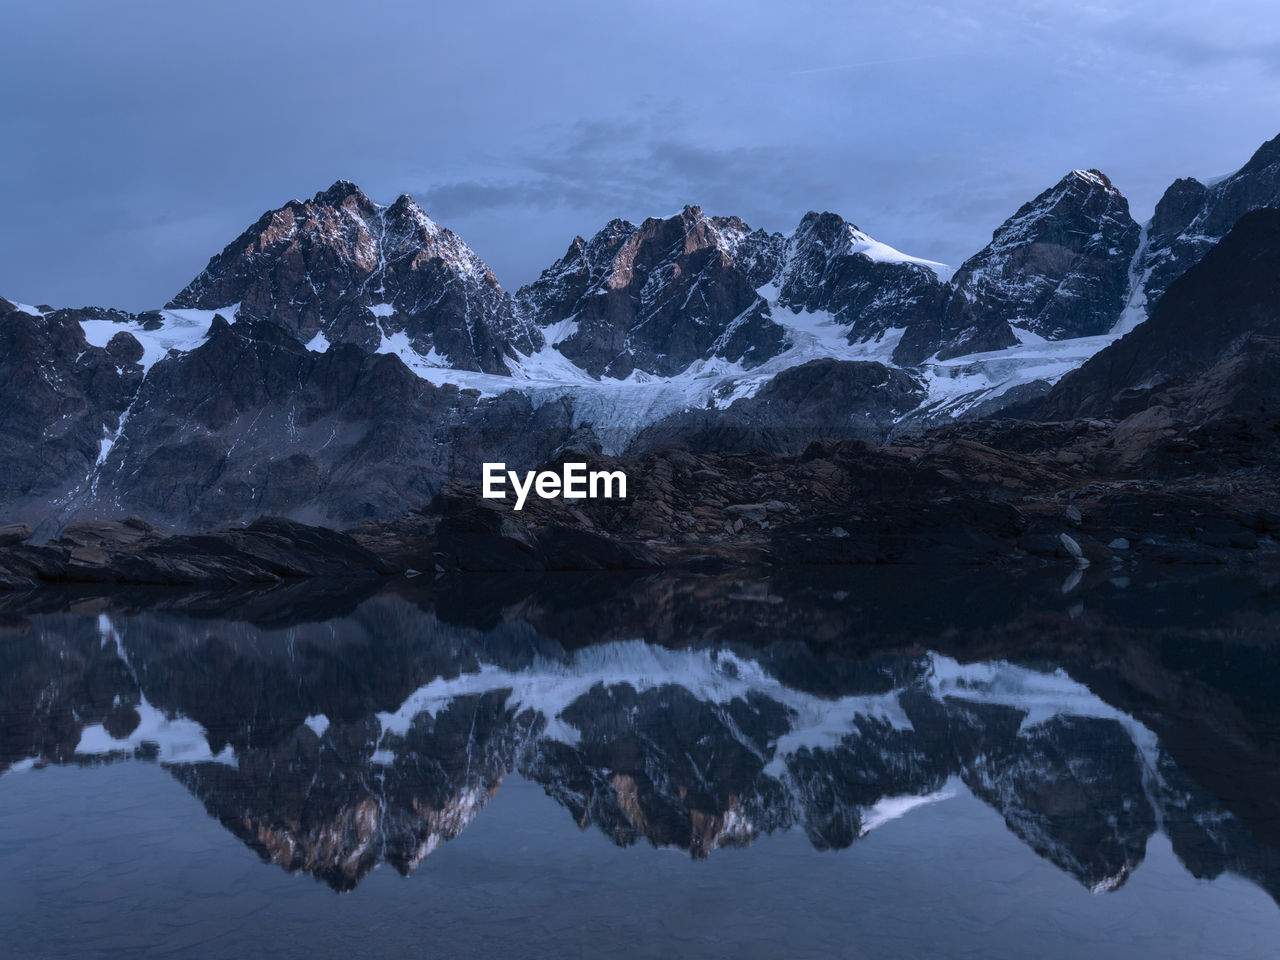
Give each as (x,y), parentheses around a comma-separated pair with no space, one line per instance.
(863,64)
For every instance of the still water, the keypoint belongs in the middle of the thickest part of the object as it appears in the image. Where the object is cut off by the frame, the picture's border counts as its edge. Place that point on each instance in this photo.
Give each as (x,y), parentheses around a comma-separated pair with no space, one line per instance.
(847,764)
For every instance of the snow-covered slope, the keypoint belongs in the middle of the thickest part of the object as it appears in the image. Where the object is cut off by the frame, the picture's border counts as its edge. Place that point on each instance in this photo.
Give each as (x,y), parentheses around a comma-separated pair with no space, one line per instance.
(618,409)
(160,332)
(960,386)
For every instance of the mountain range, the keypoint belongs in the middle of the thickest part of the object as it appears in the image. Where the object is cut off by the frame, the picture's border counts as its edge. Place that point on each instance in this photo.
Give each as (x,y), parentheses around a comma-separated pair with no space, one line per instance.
(341,361)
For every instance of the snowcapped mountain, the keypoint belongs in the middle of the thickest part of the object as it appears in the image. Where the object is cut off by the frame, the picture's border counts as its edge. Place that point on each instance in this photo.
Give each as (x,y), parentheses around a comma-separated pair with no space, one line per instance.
(662,296)
(60,395)
(1059,267)
(830,265)
(654,298)
(339,268)
(368,355)
(188,418)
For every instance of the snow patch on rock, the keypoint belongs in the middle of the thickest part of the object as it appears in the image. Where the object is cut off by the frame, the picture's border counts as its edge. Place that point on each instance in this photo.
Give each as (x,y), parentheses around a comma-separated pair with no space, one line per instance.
(179,330)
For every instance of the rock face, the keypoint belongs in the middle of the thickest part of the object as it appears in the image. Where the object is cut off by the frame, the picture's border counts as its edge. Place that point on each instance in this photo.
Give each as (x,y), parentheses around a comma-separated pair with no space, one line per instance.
(245,422)
(59,395)
(653,298)
(1059,267)
(831,265)
(344,268)
(661,296)
(251,422)
(559,291)
(1222,312)
(1191,217)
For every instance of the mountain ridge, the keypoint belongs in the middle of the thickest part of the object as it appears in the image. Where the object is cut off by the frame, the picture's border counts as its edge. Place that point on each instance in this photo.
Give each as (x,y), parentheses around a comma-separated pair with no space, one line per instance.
(678,330)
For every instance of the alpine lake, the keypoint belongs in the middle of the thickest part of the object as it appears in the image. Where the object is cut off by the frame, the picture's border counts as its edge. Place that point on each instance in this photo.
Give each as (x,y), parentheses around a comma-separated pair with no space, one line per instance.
(815,763)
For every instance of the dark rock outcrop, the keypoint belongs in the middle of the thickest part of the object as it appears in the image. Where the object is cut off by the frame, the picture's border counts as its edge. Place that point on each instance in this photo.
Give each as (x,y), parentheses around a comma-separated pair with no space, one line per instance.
(1204,346)
(251,422)
(59,397)
(134,552)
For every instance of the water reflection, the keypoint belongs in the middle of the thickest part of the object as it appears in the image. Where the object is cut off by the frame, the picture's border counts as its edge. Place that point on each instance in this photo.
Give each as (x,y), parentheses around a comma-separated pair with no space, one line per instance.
(333,732)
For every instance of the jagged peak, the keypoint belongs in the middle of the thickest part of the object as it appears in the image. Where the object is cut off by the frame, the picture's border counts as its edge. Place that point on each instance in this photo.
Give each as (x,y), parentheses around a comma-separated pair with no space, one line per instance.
(614,230)
(1076,189)
(827,226)
(1265,156)
(219,326)
(573,256)
(689,214)
(405,208)
(1092,177)
(837,237)
(342,190)
(406,204)
(1177,206)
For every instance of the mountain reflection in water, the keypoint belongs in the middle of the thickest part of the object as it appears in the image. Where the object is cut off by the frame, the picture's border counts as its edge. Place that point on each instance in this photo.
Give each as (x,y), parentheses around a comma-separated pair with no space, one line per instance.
(332,732)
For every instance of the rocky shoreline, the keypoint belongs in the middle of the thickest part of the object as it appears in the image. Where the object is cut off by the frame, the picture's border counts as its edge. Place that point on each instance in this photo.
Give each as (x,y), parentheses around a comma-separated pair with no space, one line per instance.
(1005,493)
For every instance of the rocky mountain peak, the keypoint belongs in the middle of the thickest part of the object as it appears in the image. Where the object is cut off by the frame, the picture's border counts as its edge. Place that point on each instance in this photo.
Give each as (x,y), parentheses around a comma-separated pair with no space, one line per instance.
(585,266)
(1059,266)
(658,237)
(1263,159)
(653,298)
(1056,213)
(826,228)
(829,265)
(1175,210)
(1191,217)
(405,209)
(341,266)
(340,192)
(1095,178)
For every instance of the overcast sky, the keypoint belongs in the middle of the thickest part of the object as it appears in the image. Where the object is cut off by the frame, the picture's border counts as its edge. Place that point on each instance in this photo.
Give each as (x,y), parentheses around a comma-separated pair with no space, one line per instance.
(140,137)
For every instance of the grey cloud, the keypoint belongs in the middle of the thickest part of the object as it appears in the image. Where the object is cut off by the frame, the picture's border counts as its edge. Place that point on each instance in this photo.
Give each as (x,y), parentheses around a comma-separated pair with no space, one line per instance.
(142,138)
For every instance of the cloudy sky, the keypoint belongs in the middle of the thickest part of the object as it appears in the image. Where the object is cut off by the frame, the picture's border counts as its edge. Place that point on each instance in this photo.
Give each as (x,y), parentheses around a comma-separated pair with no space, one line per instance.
(139,137)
